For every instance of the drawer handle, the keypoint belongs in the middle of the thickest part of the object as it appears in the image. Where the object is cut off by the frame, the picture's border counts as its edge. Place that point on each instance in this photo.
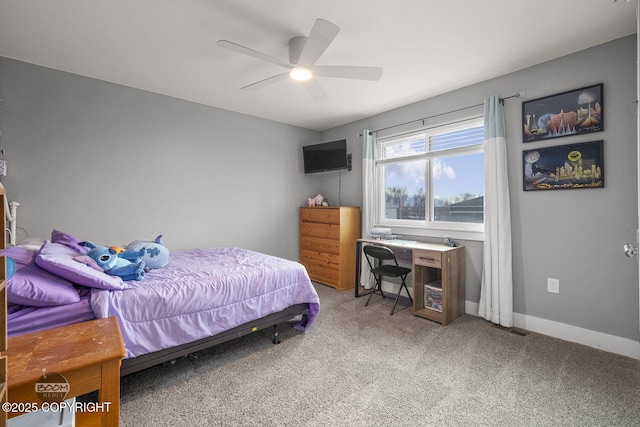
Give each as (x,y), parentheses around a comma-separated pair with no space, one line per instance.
(427,259)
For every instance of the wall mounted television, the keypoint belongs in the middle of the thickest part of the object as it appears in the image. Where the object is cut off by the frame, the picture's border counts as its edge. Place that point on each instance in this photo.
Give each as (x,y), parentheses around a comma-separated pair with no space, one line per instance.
(327,156)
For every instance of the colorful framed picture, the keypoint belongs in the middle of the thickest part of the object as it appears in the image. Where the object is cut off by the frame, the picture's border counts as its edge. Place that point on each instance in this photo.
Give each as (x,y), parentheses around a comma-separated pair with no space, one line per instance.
(575,112)
(564,167)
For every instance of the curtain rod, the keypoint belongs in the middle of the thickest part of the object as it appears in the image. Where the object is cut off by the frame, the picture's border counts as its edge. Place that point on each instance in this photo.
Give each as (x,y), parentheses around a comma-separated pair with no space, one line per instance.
(517,95)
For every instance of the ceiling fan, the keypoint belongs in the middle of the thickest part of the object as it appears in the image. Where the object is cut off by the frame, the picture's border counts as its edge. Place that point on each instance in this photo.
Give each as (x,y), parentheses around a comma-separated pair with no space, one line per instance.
(303,54)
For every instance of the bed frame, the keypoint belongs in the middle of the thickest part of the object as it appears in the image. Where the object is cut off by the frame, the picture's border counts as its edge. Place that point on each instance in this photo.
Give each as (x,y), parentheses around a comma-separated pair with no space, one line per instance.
(297,313)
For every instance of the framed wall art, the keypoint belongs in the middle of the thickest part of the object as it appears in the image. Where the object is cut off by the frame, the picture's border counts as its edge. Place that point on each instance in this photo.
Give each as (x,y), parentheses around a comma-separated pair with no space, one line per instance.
(574,112)
(563,167)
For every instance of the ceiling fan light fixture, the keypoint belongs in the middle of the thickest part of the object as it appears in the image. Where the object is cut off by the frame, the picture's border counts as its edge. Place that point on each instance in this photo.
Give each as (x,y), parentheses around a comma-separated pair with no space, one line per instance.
(304,51)
(301,74)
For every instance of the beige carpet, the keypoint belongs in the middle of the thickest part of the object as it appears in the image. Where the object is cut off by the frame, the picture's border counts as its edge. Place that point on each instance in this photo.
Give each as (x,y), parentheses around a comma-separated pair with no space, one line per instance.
(359,366)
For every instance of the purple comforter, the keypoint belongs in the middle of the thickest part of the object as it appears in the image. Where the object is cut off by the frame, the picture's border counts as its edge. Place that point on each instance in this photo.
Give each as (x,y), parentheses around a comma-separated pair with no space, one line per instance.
(202,292)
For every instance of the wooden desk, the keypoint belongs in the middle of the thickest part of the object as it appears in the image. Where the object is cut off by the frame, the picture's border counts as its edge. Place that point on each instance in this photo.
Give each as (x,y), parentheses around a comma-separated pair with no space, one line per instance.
(429,262)
(87,354)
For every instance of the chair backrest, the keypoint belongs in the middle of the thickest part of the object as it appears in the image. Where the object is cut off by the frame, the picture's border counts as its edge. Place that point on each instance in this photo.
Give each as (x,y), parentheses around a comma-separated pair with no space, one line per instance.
(381,253)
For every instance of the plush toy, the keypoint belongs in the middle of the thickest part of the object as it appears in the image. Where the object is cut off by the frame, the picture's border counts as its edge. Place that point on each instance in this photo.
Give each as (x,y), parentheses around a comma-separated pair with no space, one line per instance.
(127,264)
(11,267)
(156,255)
(316,201)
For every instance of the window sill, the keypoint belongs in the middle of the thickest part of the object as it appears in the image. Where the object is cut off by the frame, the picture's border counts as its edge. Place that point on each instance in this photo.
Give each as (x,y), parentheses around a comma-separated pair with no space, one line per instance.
(456,233)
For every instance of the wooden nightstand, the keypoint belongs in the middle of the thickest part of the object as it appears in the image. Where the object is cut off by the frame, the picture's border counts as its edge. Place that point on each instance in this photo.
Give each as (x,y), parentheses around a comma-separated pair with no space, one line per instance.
(87,355)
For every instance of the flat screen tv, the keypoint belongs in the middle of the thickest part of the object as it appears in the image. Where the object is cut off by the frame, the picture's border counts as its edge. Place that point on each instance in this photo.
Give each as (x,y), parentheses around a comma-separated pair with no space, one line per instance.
(328,156)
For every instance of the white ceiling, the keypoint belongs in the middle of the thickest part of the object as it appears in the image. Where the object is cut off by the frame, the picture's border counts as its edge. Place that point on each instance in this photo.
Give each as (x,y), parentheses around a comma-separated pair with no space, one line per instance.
(426,47)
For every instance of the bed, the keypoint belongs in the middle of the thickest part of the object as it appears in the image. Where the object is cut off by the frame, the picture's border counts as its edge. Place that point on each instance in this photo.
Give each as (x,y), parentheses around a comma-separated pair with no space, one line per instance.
(203,297)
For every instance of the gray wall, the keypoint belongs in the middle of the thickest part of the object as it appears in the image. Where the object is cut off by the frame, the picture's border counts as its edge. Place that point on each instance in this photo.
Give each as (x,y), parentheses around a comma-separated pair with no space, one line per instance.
(575,236)
(113,164)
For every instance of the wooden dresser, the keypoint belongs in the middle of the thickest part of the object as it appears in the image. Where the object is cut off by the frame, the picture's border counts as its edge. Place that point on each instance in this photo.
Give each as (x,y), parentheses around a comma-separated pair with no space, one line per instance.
(328,238)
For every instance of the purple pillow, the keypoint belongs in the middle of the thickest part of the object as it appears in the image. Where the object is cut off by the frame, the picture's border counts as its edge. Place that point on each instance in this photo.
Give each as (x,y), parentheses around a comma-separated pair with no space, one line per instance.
(88,261)
(33,286)
(68,240)
(59,260)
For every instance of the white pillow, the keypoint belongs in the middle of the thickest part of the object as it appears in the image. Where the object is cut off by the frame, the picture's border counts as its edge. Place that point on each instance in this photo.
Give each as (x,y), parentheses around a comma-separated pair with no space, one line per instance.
(32,244)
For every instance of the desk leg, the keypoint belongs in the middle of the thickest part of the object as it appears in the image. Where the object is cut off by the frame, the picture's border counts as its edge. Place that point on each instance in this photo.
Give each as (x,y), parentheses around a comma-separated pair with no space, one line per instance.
(358,265)
(110,392)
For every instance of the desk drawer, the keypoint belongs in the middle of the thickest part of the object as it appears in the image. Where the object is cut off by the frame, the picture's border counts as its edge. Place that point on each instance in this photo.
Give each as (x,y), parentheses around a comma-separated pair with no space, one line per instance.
(316,229)
(328,216)
(427,258)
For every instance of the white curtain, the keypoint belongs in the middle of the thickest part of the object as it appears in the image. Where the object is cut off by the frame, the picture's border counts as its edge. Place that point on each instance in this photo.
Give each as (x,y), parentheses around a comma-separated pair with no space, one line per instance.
(368,197)
(496,295)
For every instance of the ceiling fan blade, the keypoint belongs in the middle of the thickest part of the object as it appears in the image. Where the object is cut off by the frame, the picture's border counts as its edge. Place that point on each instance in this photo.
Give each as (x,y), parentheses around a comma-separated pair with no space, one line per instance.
(250,52)
(321,36)
(296,44)
(347,72)
(315,90)
(267,82)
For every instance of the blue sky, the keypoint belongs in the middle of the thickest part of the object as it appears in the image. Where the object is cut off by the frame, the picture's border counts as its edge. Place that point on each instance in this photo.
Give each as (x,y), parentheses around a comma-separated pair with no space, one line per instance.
(452,175)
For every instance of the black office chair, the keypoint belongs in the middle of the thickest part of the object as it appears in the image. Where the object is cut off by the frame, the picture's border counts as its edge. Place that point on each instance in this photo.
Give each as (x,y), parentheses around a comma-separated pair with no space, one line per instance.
(376,256)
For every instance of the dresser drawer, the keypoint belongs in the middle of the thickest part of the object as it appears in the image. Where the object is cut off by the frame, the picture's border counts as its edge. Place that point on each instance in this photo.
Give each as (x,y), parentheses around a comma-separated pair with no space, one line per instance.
(317,229)
(320,259)
(427,258)
(327,216)
(320,245)
(324,275)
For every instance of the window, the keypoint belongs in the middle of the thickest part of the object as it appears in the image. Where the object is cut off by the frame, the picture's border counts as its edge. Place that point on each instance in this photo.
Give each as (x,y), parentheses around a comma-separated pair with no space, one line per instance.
(433,179)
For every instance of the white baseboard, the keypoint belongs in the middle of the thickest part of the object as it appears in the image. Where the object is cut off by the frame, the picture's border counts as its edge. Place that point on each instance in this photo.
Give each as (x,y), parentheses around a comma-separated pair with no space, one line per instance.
(599,340)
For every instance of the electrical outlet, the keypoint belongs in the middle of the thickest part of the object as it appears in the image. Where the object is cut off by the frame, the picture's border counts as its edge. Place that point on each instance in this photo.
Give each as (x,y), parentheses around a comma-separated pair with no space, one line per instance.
(553,286)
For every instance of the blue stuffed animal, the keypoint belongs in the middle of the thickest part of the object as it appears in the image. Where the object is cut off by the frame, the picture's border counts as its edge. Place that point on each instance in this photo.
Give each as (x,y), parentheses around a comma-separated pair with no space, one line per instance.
(126,264)
(156,254)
